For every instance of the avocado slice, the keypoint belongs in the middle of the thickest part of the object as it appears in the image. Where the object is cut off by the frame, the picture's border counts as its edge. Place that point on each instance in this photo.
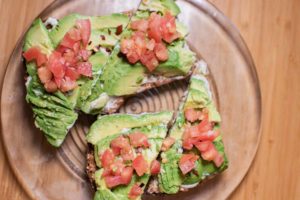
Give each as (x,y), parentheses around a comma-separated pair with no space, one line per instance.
(161,6)
(109,127)
(53,113)
(171,179)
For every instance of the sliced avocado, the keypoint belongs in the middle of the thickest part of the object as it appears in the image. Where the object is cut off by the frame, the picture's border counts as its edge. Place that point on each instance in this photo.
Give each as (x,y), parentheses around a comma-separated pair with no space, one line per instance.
(112,124)
(121,78)
(161,6)
(109,21)
(179,63)
(53,113)
(37,35)
(103,38)
(63,26)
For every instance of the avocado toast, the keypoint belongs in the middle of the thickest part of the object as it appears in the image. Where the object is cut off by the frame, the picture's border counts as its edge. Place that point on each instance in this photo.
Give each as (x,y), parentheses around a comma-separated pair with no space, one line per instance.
(48,53)
(193,150)
(125,148)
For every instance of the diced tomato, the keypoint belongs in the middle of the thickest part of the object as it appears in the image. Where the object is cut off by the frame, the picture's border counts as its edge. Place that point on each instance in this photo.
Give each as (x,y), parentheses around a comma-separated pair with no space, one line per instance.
(85,69)
(127,45)
(155,167)
(76,47)
(154,31)
(70,58)
(187,162)
(107,158)
(56,64)
(218,160)
(113,181)
(67,84)
(68,41)
(50,86)
(117,167)
(139,25)
(133,57)
(34,53)
(149,60)
(127,154)
(84,26)
(203,146)
(150,45)
(126,175)
(138,139)
(209,135)
(140,165)
(120,143)
(72,73)
(192,115)
(168,28)
(210,154)
(84,54)
(74,34)
(107,172)
(135,192)
(205,126)
(188,143)
(45,75)
(167,143)
(161,52)
(193,131)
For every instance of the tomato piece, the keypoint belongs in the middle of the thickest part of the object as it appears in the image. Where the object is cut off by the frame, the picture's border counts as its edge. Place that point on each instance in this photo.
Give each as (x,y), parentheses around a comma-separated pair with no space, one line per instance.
(218,160)
(150,45)
(203,146)
(209,135)
(193,131)
(154,31)
(34,53)
(161,52)
(84,54)
(187,163)
(67,84)
(70,58)
(167,143)
(135,192)
(107,158)
(120,143)
(72,73)
(126,175)
(139,42)
(127,45)
(127,154)
(133,57)
(74,34)
(205,126)
(138,140)
(44,74)
(140,165)
(68,41)
(117,167)
(50,86)
(84,26)
(168,28)
(107,172)
(113,181)
(210,154)
(149,60)
(139,25)
(56,64)
(85,69)
(155,167)
(192,115)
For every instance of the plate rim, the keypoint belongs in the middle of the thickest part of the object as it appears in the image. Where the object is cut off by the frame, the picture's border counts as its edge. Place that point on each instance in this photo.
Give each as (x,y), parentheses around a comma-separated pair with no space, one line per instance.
(205,6)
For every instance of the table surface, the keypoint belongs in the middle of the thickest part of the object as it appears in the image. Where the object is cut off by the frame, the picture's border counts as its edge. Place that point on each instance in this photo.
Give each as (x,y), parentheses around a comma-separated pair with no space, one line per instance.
(271,29)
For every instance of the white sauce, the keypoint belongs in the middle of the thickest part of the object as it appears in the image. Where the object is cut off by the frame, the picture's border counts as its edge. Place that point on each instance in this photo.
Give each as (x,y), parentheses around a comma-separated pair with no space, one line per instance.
(28,81)
(51,21)
(201,65)
(189,186)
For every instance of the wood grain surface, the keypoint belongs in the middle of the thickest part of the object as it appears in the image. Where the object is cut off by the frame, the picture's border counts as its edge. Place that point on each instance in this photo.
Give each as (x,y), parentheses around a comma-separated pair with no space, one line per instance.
(271,29)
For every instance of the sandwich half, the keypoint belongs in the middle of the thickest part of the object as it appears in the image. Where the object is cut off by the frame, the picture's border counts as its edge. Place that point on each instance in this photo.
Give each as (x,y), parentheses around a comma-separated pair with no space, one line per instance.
(193,150)
(123,153)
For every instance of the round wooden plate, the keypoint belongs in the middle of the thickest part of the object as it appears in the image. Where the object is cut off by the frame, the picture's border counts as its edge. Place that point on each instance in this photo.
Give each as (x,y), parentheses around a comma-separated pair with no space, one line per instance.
(49,173)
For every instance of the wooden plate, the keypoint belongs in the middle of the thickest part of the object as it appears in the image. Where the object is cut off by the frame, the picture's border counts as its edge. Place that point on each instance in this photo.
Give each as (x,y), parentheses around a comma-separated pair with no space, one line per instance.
(49,173)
